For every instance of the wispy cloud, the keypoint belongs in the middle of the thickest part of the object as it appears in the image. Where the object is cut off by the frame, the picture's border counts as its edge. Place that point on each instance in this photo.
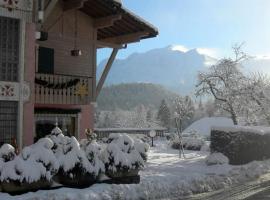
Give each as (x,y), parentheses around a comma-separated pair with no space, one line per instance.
(212,52)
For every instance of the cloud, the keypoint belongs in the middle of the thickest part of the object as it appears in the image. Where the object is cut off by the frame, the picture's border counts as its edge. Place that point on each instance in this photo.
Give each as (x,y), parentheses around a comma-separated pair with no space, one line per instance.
(212,52)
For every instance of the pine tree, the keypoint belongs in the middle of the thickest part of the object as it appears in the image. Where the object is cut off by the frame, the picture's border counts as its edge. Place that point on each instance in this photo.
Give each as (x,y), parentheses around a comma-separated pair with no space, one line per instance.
(164,115)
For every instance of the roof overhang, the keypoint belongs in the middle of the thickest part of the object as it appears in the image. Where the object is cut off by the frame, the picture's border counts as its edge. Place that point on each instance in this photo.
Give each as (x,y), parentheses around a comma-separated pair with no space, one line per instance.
(114,23)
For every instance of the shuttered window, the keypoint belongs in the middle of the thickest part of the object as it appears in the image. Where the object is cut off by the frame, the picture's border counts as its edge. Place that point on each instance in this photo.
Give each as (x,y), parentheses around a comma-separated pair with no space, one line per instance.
(45,60)
(9,48)
(8,121)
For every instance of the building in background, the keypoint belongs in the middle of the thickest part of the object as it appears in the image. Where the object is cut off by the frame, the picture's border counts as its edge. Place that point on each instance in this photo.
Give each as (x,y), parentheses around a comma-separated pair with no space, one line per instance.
(48,62)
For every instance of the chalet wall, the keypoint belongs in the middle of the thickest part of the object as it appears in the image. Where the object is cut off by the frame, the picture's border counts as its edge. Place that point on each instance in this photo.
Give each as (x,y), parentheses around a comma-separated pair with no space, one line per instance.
(61,28)
(29,74)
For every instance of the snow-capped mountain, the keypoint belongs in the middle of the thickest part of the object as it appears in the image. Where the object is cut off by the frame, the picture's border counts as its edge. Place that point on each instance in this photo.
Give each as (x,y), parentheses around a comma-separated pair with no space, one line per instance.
(173,67)
(168,66)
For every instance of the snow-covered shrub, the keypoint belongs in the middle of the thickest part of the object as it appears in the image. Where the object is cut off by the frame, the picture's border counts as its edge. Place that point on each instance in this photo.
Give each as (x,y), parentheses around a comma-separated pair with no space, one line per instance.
(142,137)
(93,153)
(120,155)
(75,168)
(169,136)
(142,148)
(241,144)
(7,153)
(189,143)
(206,146)
(216,159)
(34,163)
(70,155)
(193,143)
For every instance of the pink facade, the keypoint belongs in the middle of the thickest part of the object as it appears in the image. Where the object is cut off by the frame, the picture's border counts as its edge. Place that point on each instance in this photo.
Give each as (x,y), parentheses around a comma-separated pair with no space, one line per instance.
(86,111)
(51,84)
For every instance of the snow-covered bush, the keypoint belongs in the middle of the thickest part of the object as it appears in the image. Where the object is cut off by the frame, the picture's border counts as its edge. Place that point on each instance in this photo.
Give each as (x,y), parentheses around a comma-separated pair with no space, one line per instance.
(142,148)
(189,143)
(241,144)
(75,168)
(70,156)
(206,147)
(7,153)
(34,163)
(93,153)
(216,159)
(121,155)
(193,143)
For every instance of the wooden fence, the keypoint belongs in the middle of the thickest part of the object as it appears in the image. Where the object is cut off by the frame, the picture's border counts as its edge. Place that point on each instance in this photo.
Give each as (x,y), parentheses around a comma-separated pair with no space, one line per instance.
(104,132)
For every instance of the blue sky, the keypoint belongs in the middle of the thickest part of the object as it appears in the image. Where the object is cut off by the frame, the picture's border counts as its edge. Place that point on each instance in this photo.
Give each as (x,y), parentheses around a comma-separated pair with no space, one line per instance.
(213,25)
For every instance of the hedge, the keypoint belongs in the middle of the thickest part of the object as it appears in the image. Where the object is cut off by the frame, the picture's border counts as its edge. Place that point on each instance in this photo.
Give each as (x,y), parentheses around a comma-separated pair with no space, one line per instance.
(241,145)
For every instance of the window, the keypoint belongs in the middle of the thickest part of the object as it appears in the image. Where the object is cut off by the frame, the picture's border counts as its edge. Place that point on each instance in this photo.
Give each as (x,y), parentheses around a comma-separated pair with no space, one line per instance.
(45,60)
(9,48)
(46,122)
(8,121)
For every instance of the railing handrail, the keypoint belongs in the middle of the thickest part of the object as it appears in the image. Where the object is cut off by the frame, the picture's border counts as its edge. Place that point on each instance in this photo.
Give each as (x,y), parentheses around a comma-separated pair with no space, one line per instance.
(63,89)
(69,75)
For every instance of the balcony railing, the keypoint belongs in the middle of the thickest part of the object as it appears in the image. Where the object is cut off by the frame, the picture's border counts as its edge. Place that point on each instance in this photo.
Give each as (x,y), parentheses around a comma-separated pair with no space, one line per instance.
(62,89)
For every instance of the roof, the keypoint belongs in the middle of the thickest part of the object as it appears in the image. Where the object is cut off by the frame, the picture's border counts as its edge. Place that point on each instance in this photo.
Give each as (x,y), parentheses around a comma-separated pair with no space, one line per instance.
(129,23)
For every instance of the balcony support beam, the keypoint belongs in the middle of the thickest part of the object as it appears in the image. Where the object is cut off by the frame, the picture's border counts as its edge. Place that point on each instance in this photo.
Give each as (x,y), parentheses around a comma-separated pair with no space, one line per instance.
(106,71)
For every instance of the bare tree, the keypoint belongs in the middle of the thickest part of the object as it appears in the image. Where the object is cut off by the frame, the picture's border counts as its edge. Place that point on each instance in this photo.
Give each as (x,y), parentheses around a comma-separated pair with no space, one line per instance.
(224,82)
(184,110)
(257,93)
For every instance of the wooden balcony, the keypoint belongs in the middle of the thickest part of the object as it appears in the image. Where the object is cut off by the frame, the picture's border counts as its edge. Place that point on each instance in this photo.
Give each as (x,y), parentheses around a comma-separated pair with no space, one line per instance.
(62,89)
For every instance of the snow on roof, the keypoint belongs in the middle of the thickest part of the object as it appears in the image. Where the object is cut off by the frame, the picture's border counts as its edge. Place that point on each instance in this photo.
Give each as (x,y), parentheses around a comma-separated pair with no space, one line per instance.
(250,129)
(203,126)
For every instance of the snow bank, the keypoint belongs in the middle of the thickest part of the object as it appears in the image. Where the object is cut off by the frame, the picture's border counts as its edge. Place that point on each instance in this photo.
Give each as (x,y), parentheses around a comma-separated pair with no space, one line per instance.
(216,158)
(203,126)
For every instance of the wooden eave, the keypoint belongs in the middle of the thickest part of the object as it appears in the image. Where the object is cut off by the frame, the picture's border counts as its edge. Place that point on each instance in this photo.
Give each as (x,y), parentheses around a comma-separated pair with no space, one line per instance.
(119,29)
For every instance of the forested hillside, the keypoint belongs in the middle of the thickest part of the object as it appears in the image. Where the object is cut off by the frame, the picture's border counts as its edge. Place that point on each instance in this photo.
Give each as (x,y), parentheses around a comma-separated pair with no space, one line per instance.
(128,96)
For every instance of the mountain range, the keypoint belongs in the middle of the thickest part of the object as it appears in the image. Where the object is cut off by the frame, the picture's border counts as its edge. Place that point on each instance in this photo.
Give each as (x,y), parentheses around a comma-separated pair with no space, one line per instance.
(170,67)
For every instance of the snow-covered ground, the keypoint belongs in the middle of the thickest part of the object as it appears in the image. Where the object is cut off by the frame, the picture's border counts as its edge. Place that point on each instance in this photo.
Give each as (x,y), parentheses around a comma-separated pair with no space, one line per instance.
(165,176)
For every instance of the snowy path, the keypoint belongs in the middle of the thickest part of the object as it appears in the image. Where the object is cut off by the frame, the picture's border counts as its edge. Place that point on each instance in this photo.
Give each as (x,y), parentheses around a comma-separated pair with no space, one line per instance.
(258,189)
(164,177)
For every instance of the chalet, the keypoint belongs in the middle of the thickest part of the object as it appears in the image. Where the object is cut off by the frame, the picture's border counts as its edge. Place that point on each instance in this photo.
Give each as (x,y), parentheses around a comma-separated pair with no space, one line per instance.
(48,64)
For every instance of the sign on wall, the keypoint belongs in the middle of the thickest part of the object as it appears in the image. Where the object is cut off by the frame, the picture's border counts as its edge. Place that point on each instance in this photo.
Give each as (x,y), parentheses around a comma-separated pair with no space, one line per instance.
(11,91)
